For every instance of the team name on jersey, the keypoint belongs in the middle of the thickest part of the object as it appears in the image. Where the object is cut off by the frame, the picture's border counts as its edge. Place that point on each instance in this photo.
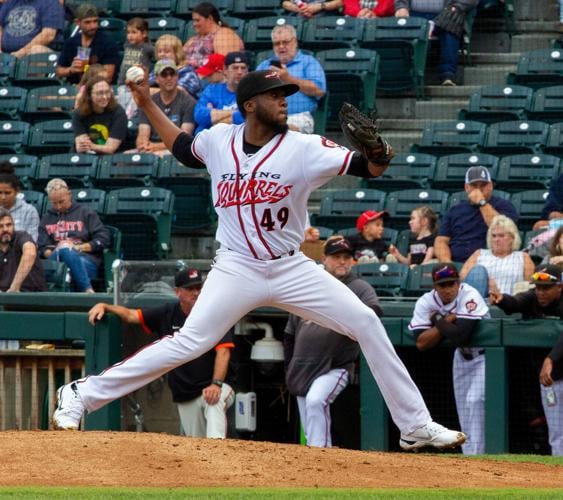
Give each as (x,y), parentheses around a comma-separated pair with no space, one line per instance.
(253,175)
(250,192)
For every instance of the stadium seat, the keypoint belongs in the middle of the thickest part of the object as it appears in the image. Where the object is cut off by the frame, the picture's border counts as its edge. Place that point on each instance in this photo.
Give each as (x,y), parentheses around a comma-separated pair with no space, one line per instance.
(539,68)
(25,167)
(400,204)
(450,170)
(36,70)
(340,209)
(56,275)
(13,136)
(50,103)
(554,143)
(78,170)
(184,7)
(116,28)
(50,137)
(547,105)
(329,32)
(7,68)
(497,103)
(143,8)
(35,198)
(126,170)
(402,45)
(248,9)
(144,217)
(324,232)
(529,204)
(514,137)
(460,196)
(12,102)
(403,241)
(387,279)
(524,172)
(406,171)
(258,32)
(104,282)
(95,199)
(450,137)
(159,26)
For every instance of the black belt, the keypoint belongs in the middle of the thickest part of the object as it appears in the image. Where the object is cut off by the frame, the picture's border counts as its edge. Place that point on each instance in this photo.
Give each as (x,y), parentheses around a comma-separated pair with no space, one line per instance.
(469,356)
(288,254)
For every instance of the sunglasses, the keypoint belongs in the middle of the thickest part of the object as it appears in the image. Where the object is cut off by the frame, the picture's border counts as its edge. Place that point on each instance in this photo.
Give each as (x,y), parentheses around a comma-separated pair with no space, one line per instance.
(445,272)
(545,277)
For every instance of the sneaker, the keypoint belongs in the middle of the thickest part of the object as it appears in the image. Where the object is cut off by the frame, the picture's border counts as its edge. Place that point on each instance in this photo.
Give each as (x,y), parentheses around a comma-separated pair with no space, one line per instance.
(432,434)
(70,408)
(448,83)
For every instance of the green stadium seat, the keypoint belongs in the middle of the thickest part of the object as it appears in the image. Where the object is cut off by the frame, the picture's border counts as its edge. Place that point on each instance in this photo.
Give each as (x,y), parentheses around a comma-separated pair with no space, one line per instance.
(258,32)
(116,28)
(340,209)
(144,217)
(539,68)
(25,167)
(35,198)
(7,68)
(104,283)
(450,137)
(547,105)
(36,70)
(126,170)
(159,26)
(94,199)
(497,103)
(403,241)
(419,279)
(400,204)
(450,170)
(50,103)
(50,137)
(554,143)
(324,232)
(184,7)
(529,204)
(460,196)
(513,137)
(330,32)
(248,9)
(402,45)
(12,102)
(78,170)
(127,9)
(388,280)
(13,136)
(56,274)
(523,172)
(406,171)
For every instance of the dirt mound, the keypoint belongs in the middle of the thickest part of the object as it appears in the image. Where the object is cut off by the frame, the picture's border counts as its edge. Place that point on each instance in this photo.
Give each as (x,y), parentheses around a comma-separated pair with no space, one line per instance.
(129,459)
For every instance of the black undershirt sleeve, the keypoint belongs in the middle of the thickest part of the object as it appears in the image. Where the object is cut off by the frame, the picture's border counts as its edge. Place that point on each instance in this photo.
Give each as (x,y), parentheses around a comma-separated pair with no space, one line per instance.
(359,167)
(182,151)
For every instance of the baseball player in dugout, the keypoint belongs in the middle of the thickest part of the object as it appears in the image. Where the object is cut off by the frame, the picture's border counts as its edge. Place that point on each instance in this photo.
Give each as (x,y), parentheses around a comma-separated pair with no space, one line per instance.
(451,311)
(262,175)
(319,362)
(198,387)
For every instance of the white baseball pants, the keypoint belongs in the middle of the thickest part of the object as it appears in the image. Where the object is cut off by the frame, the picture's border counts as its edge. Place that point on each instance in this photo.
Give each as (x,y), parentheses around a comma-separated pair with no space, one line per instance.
(200,419)
(553,410)
(238,284)
(469,392)
(314,408)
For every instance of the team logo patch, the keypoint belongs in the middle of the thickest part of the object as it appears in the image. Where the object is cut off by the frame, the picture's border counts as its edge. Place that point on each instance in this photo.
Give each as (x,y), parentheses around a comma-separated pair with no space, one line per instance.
(192,274)
(471,305)
(327,143)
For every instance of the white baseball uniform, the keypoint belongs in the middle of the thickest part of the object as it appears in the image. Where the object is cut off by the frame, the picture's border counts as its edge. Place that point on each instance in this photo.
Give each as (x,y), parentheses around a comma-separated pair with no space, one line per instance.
(261,202)
(469,362)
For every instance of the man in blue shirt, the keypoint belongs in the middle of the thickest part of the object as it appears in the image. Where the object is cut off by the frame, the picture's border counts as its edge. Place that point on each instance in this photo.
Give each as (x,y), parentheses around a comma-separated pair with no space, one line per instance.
(30,26)
(464,227)
(301,69)
(218,101)
(89,46)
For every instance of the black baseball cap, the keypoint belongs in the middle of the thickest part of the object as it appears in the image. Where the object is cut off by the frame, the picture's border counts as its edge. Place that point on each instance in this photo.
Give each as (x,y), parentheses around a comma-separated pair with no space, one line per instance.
(236,57)
(258,82)
(444,273)
(337,245)
(477,174)
(186,278)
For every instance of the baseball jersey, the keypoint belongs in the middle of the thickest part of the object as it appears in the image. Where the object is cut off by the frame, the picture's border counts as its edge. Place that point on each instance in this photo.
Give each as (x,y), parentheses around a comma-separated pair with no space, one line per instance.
(261,199)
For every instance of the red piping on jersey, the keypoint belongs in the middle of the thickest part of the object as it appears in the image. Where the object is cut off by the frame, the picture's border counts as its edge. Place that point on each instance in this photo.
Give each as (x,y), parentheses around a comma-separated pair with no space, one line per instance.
(192,147)
(345,165)
(237,187)
(142,322)
(225,345)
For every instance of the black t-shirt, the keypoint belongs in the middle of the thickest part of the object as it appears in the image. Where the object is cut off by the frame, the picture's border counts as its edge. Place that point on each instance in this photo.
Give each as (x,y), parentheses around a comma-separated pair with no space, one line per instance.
(419,248)
(368,249)
(10,260)
(101,126)
(188,380)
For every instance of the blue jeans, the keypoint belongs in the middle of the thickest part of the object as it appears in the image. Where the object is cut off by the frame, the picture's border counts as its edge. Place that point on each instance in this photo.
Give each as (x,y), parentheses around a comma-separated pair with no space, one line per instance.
(478,278)
(82,267)
(449,48)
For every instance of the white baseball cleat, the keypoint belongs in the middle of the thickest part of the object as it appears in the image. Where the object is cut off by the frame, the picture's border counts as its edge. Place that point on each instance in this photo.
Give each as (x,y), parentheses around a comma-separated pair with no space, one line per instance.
(432,434)
(70,408)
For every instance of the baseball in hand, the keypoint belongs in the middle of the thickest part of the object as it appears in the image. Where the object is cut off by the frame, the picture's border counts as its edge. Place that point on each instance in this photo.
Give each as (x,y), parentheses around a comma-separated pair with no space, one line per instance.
(135,74)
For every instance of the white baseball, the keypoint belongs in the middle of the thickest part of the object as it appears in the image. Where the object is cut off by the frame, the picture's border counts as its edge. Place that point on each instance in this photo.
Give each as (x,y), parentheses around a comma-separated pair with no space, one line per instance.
(135,74)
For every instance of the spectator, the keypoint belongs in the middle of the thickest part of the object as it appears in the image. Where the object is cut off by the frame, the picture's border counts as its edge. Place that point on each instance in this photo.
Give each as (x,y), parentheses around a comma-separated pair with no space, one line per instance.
(74,234)
(176,104)
(501,265)
(546,300)
(30,27)
(99,123)
(20,267)
(464,226)
(198,387)
(218,101)
(311,8)
(452,311)
(423,223)
(555,255)
(89,46)
(212,36)
(369,8)
(368,244)
(319,362)
(553,208)
(213,71)
(293,66)
(24,215)
(449,41)
(92,71)
(137,50)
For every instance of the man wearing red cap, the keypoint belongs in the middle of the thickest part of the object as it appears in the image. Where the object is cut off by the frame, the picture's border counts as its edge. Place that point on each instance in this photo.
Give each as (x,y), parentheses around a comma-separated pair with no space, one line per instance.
(214,70)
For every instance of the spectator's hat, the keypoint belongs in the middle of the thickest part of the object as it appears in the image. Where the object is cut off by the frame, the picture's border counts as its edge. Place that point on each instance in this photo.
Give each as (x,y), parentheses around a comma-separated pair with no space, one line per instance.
(549,274)
(85,10)
(163,64)
(236,57)
(337,245)
(215,62)
(186,278)
(258,82)
(368,216)
(477,174)
(444,273)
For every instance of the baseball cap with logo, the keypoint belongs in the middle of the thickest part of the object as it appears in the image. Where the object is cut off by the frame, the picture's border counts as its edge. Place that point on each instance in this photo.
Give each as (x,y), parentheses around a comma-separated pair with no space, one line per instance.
(477,174)
(236,57)
(215,62)
(444,273)
(336,245)
(258,82)
(368,216)
(85,10)
(186,278)
(547,275)
(163,64)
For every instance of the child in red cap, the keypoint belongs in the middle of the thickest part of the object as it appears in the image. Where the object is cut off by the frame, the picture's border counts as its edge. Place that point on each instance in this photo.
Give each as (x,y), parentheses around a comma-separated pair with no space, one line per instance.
(368,244)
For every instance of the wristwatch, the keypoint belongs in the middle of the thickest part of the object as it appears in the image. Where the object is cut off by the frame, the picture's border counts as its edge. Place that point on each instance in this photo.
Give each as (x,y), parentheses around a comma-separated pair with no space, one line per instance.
(218,383)
(483,202)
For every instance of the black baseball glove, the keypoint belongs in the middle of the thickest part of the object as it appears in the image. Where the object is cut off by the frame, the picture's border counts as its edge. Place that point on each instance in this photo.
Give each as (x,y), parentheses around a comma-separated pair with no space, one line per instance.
(362,134)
